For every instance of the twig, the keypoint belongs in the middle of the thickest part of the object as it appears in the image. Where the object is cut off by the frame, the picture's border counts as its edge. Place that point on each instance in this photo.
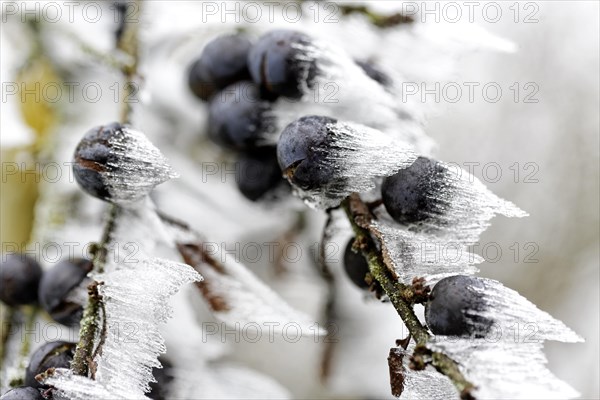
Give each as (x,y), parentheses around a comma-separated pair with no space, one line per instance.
(401,296)
(84,353)
(87,334)
(330,306)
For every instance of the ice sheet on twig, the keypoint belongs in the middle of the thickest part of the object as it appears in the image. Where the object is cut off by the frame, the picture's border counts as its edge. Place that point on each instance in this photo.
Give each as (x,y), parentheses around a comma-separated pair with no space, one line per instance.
(426,383)
(418,255)
(509,362)
(359,156)
(465,206)
(223,381)
(238,298)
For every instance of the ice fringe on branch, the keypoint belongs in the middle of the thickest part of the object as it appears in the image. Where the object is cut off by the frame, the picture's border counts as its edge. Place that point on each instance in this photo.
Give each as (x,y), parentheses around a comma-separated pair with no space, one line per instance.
(509,362)
(135,298)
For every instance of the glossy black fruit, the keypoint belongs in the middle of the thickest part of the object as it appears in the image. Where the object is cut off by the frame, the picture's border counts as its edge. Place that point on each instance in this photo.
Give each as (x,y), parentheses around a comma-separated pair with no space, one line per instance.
(281,62)
(409,196)
(375,73)
(19,279)
(55,286)
(453,306)
(164,377)
(222,63)
(356,266)
(302,150)
(92,157)
(257,173)
(22,393)
(238,117)
(50,355)
(199,81)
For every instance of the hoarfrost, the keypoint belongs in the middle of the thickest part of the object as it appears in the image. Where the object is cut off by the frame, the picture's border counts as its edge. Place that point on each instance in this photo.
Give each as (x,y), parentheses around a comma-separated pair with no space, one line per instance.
(359,156)
(238,298)
(223,381)
(509,362)
(466,205)
(135,289)
(136,166)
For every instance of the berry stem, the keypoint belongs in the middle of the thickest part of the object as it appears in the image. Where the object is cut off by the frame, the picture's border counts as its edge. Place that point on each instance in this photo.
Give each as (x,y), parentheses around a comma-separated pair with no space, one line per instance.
(401,296)
(129,44)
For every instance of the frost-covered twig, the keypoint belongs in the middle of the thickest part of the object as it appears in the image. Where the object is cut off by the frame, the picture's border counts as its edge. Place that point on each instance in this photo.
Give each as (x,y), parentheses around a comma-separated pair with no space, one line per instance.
(401,296)
(89,323)
(329,312)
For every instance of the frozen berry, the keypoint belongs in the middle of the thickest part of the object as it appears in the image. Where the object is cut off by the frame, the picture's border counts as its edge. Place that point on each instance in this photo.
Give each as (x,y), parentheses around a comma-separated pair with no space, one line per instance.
(50,355)
(238,117)
(22,393)
(19,279)
(302,149)
(164,377)
(409,196)
(373,72)
(116,163)
(281,62)
(356,266)
(453,307)
(56,286)
(222,63)
(257,173)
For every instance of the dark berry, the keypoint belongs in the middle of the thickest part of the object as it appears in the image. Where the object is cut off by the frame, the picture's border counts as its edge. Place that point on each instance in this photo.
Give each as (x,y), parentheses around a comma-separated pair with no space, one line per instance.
(199,81)
(22,393)
(356,266)
(453,306)
(164,377)
(238,117)
(374,73)
(257,173)
(302,150)
(92,157)
(222,63)
(281,63)
(19,279)
(50,355)
(118,164)
(409,196)
(56,285)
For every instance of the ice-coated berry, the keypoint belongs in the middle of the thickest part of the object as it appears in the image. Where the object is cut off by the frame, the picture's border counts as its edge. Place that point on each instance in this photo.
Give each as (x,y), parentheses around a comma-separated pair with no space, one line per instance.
(55,286)
(356,266)
(22,393)
(50,355)
(257,173)
(280,62)
(374,73)
(19,279)
(164,376)
(302,149)
(91,159)
(409,195)
(118,164)
(453,306)
(238,117)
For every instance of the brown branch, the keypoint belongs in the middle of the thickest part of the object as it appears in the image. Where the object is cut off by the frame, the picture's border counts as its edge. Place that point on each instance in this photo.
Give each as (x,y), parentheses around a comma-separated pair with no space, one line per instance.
(401,296)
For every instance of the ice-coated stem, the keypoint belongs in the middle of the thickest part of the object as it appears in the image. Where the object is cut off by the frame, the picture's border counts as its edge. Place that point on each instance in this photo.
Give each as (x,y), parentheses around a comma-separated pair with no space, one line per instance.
(83,358)
(401,296)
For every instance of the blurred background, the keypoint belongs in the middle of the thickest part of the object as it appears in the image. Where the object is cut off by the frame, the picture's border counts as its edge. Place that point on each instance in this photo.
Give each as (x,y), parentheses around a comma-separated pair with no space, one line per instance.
(537,145)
